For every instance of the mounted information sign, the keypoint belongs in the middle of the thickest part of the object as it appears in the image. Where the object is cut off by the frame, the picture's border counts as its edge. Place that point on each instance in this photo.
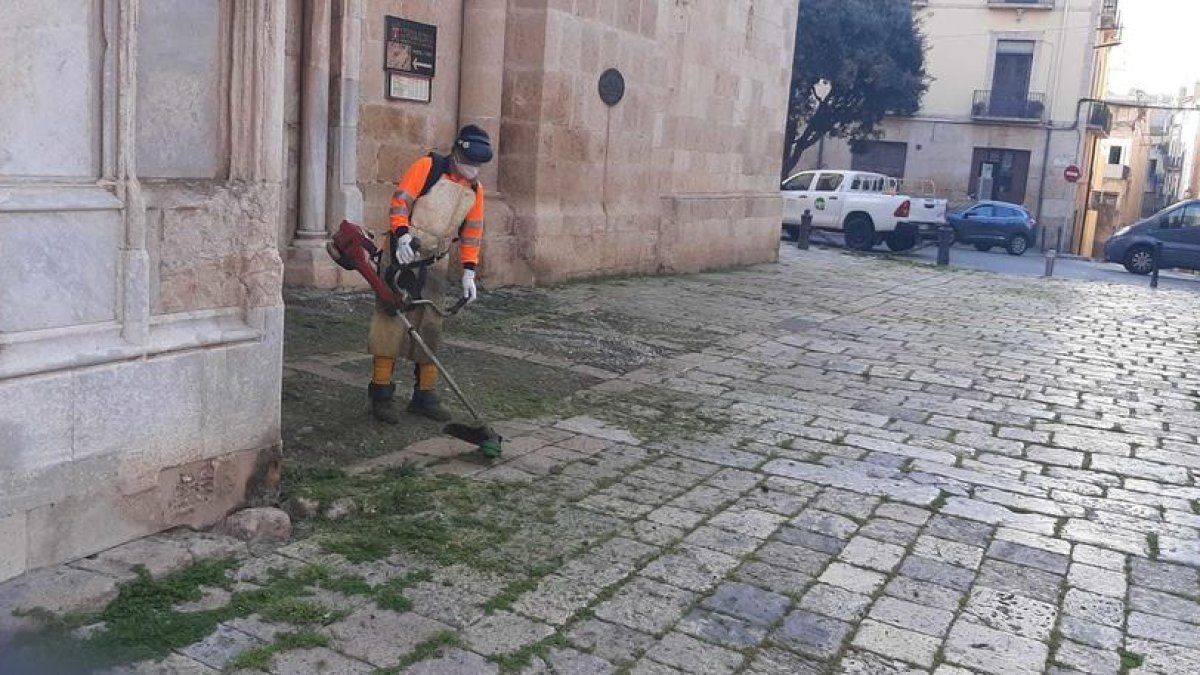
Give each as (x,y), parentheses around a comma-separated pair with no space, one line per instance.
(401,87)
(410,47)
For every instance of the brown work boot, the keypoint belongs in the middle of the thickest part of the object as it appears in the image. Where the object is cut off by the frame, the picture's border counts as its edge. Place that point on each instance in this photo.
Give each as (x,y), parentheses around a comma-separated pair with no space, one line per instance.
(383,406)
(427,404)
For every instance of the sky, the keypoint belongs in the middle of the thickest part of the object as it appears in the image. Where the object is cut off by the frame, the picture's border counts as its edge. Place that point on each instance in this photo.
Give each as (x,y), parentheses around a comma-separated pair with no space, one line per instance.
(1159,52)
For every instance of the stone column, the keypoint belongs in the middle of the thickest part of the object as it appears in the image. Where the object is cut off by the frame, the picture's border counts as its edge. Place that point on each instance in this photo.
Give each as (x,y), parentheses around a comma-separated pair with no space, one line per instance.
(481,81)
(135,302)
(480,100)
(306,258)
(345,197)
(314,121)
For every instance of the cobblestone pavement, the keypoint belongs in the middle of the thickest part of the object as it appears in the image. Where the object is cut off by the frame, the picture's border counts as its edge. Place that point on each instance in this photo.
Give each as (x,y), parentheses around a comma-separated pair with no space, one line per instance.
(830,465)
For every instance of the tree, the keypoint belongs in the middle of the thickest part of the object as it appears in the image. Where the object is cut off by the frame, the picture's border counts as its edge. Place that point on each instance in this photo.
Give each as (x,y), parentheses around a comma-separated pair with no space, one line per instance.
(856,61)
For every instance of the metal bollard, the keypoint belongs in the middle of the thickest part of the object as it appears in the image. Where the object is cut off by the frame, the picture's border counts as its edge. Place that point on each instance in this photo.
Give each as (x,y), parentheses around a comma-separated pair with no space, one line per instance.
(1051,256)
(945,236)
(1157,261)
(805,230)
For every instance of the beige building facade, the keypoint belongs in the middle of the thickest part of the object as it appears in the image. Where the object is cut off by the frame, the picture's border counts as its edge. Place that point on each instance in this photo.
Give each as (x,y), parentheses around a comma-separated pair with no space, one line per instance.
(1005,113)
(165,164)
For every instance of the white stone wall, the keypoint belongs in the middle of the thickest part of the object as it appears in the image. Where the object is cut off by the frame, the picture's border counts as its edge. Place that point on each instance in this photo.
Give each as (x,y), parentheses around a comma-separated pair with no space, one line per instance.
(140,314)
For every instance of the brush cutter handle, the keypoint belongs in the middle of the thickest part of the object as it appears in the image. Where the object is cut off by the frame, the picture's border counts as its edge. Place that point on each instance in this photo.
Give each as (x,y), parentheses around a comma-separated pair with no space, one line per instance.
(413,304)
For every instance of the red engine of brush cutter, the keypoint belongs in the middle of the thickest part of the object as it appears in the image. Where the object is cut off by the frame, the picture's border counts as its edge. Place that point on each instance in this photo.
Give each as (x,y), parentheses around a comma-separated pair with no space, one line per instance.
(353,249)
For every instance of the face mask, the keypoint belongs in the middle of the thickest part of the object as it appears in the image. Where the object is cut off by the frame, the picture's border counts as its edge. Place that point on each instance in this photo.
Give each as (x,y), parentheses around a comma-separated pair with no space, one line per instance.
(466,170)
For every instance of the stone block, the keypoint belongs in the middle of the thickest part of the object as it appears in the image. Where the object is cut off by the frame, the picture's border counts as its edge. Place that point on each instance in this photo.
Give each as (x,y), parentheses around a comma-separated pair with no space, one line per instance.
(242,392)
(994,652)
(454,662)
(381,637)
(327,662)
(1012,613)
(811,634)
(749,603)
(76,526)
(897,643)
(49,131)
(178,102)
(15,550)
(921,618)
(59,590)
(836,602)
(692,567)
(645,605)
(503,633)
(693,656)
(219,648)
(79,288)
(35,422)
(160,416)
(610,641)
(852,578)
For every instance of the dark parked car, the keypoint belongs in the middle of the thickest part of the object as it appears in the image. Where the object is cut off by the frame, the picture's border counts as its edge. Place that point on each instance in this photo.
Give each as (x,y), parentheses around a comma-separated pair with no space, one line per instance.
(989,224)
(1177,227)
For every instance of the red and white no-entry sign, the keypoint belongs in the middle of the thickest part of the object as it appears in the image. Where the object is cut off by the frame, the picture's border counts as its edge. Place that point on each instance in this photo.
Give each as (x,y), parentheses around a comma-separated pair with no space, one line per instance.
(1071,173)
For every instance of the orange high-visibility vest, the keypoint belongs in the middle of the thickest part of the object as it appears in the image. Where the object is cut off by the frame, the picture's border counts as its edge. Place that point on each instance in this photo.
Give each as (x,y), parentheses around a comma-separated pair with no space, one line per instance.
(413,186)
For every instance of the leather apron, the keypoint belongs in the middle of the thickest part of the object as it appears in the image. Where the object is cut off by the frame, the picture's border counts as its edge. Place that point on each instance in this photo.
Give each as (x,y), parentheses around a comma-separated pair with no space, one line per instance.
(436,219)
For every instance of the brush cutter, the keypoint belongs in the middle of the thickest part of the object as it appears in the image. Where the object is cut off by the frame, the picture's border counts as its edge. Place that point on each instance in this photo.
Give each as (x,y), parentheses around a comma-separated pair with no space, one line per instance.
(353,249)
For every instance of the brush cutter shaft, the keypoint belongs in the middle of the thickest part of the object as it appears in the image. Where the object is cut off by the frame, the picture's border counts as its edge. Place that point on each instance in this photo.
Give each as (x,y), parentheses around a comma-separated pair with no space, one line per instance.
(416,338)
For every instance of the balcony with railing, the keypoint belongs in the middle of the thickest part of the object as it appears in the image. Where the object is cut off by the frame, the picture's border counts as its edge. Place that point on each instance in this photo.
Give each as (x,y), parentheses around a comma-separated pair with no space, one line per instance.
(1022,4)
(1100,118)
(990,105)
(1110,15)
(1174,163)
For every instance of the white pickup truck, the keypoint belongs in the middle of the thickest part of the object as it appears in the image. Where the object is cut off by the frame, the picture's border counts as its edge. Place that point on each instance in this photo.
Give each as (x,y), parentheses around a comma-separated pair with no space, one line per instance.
(865,207)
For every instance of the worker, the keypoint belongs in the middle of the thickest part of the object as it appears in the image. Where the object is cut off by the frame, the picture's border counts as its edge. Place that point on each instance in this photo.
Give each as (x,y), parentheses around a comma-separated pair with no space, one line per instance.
(438,202)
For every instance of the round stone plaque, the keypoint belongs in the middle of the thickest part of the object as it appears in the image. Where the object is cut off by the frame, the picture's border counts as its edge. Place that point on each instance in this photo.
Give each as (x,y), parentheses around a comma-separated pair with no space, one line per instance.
(612,86)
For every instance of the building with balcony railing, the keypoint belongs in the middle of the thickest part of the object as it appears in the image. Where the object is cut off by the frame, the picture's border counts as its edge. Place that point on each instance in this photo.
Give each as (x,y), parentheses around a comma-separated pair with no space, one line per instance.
(1005,76)
(1027,107)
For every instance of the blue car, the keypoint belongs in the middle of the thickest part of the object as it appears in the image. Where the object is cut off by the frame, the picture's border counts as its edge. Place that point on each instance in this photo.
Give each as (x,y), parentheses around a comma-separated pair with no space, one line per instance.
(1176,227)
(989,224)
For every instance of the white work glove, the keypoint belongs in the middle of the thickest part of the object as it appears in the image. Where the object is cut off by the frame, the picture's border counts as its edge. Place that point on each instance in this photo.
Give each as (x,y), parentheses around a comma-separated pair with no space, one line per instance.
(404,253)
(470,293)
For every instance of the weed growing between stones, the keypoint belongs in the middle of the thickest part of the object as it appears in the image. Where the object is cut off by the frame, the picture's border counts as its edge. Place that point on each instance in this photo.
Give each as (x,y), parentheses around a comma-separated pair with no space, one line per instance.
(143,622)
(260,658)
(431,648)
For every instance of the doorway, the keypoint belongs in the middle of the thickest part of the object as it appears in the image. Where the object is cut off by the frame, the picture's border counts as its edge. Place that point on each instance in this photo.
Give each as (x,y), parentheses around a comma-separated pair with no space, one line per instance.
(999,174)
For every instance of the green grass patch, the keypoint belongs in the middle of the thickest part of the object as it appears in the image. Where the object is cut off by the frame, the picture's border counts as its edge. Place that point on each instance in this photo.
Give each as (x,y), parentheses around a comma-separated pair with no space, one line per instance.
(260,658)
(940,502)
(516,589)
(445,519)
(143,624)
(390,595)
(1152,540)
(1130,660)
(431,648)
(516,661)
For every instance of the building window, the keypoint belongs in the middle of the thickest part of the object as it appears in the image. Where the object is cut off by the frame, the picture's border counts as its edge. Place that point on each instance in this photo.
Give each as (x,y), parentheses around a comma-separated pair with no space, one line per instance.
(999,174)
(1104,200)
(886,157)
(1010,79)
(1114,154)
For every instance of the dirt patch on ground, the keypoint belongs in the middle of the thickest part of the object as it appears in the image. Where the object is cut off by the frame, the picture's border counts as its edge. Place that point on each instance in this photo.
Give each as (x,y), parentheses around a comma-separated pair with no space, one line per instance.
(326,422)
